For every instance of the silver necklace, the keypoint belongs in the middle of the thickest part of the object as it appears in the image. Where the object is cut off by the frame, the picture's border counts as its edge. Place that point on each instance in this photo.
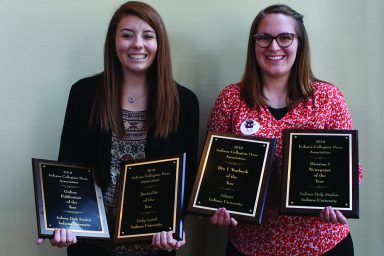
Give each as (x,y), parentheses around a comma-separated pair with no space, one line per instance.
(132,99)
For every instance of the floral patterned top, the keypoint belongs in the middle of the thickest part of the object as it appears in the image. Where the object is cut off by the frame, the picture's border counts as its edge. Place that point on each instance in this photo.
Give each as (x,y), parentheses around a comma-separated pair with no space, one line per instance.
(279,234)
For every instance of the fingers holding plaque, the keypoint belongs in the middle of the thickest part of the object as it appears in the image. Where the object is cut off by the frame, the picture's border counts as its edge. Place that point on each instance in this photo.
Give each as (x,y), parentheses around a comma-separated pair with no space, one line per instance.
(320,169)
(233,173)
(150,199)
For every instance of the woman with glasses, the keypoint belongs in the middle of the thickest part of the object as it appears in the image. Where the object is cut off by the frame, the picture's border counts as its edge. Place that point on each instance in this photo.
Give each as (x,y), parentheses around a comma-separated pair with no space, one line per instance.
(278,91)
(132,110)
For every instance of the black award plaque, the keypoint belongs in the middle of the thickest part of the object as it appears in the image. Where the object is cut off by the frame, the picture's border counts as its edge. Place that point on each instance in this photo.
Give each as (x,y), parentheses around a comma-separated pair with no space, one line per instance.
(233,173)
(150,199)
(68,197)
(320,169)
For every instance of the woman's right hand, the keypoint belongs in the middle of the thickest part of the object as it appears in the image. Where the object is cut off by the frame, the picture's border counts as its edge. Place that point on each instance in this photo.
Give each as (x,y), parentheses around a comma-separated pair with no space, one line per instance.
(61,237)
(222,218)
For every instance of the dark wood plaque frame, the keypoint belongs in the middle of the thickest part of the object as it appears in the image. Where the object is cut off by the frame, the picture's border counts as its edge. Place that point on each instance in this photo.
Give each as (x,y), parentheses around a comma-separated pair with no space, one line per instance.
(51,201)
(314,196)
(254,199)
(168,204)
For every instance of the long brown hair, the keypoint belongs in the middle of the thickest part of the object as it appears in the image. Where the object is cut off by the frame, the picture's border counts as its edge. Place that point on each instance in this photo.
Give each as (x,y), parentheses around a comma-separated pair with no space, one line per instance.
(300,81)
(163,98)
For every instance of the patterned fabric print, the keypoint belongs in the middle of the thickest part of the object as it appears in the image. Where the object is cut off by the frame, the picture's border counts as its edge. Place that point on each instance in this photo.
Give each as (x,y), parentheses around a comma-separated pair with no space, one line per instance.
(131,147)
(283,235)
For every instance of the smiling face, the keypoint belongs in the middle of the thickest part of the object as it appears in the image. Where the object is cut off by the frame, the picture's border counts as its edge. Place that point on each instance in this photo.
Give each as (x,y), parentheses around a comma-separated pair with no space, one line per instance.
(275,61)
(136,45)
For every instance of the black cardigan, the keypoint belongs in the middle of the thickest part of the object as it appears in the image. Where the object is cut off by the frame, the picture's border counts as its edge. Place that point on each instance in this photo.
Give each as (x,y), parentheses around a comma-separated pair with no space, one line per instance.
(79,144)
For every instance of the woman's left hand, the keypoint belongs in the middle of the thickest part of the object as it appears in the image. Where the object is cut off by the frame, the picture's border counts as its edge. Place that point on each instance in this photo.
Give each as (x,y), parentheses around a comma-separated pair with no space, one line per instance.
(329,215)
(165,241)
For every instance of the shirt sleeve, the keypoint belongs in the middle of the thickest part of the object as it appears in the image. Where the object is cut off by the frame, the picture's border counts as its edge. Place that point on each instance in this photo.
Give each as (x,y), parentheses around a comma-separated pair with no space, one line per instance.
(221,117)
(74,138)
(188,139)
(340,118)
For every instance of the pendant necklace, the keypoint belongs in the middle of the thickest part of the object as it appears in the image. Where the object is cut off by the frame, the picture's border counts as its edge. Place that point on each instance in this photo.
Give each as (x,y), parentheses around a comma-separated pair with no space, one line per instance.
(132,99)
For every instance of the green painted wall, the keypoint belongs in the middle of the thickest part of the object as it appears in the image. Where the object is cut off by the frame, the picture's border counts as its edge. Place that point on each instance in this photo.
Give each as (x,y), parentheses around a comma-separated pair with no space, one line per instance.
(46,45)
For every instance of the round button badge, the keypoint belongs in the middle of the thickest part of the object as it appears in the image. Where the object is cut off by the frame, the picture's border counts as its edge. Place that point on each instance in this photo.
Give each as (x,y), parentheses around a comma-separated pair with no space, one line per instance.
(249,127)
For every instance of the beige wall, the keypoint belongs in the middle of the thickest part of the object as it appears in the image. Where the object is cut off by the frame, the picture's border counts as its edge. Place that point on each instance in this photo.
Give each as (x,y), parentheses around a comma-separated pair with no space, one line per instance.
(46,45)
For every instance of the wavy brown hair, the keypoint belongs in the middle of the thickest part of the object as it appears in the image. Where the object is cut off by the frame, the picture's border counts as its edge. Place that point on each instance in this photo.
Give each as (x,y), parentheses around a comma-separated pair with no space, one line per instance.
(163,99)
(300,81)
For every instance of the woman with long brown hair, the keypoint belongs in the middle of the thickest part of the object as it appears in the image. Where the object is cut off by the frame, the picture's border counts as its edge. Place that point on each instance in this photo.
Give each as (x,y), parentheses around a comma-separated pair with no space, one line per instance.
(133,110)
(278,91)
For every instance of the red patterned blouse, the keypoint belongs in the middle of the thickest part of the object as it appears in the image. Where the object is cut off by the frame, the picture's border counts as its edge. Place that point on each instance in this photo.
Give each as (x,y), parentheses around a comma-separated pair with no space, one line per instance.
(278,234)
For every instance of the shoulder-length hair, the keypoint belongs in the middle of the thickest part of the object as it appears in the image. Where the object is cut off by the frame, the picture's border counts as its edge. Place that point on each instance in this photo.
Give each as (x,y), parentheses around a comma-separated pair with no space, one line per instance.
(163,99)
(300,81)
